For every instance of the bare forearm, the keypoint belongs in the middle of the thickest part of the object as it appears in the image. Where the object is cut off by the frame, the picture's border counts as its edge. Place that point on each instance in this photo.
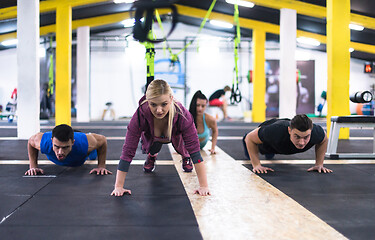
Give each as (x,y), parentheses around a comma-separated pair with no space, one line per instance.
(33,156)
(102,153)
(200,168)
(320,150)
(253,151)
(214,140)
(120,179)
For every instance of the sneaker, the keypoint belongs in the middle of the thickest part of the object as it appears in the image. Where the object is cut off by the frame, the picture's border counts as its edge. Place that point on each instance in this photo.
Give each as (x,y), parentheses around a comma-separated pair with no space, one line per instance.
(187,164)
(149,165)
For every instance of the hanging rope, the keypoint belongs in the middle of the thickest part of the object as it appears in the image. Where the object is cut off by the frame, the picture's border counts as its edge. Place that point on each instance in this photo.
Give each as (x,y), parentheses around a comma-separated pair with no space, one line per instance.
(236,93)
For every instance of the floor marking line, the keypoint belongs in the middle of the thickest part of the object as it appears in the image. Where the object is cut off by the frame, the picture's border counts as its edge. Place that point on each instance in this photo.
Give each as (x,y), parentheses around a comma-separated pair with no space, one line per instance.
(122,138)
(75,127)
(361,138)
(306,161)
(236,127)
(39,176)
(170,162)
(91,162)
(261,211)
(32,195)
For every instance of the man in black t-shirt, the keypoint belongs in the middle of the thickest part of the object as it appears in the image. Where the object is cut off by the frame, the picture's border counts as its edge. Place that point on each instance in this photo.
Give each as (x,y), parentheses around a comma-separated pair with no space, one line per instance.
(218,99)
(285,136)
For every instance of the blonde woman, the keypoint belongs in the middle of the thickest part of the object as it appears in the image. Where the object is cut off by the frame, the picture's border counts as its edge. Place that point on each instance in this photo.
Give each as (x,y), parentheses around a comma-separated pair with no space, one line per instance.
(159,119)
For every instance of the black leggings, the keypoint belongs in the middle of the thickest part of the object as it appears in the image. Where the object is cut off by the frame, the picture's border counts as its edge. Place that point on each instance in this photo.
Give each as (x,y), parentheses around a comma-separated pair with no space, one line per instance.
(155,148)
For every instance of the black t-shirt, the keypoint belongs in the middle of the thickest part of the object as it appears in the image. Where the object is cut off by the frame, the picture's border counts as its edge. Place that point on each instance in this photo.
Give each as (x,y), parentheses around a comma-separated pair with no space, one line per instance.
(217,94)
(276,139)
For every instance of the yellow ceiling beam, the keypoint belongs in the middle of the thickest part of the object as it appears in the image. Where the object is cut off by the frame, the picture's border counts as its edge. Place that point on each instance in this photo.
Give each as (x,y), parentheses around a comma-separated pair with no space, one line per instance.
(244,22)
(91,22)
(190,12)
(364,21)
(267,27)
(47,6)
(312,10)
(100,21)
(363,47)
(301,7)
(8,13)
(319,37)
(7,36)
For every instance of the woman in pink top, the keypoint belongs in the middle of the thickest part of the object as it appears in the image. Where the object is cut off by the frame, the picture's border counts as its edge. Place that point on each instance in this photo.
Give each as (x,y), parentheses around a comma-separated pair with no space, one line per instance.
(160,119)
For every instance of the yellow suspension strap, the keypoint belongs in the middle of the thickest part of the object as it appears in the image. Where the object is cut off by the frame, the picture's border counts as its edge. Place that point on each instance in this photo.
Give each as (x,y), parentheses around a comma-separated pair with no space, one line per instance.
(174,57)
(201,26)
(150,56)
(236,94)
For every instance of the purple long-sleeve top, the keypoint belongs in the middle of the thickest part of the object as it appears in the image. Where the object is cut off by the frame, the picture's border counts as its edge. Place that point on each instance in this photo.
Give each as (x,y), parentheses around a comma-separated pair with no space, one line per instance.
(184,134)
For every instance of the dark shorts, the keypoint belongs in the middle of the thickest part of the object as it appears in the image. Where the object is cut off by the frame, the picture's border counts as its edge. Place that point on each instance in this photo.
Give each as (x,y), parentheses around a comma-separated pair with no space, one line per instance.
(245,148)
(216,102)
(268,155)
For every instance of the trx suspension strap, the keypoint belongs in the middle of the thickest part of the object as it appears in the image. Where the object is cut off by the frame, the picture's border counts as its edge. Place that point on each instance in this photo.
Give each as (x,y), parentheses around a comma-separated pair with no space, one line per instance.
(236,94)
(201,26)
(147,8)
(174,57)
(143,31)
(150,56)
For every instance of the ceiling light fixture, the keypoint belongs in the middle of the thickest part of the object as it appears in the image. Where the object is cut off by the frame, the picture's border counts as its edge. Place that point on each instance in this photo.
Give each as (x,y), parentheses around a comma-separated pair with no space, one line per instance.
(128,22)
(10,42)
(241,3)
(123,1)
(356,27)
(308,41)
(221,24)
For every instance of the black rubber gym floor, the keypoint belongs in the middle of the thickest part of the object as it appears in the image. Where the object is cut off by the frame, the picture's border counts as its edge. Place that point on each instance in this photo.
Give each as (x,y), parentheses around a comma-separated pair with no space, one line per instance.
(344,199)
(76,205)
(68,203)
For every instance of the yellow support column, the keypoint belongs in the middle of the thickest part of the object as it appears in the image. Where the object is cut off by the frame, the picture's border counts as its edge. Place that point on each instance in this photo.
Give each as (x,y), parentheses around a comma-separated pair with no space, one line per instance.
(63,63)
(259,76)
(338,42)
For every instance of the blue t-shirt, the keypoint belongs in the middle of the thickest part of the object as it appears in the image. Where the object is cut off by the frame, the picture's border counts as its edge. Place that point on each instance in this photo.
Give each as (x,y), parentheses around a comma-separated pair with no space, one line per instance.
(75,158)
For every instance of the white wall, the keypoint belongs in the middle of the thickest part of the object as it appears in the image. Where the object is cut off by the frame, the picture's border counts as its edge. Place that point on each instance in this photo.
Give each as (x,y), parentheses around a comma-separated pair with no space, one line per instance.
(8,75)
(118,76)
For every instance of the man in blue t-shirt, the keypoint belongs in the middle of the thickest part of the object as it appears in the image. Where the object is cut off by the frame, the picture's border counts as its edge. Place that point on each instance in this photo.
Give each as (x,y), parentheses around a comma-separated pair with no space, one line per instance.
(65,147)
(285,136)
